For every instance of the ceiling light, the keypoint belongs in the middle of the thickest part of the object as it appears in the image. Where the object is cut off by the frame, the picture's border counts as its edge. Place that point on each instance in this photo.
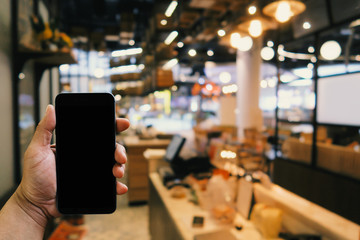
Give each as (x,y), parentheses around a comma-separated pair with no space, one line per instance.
(313,59)
(192,52)
(270,43)
(267,53)
(180,44)
(234,40)
(225,77)
(210,53)
(330,50)
(252,10)
(255,28)
(245,44)
(310,66)
(306,25)
(127,52)
(170,64)
(284,10)
(281,58)
(311,49)
(163,22)
(131,42)
(242,43)
(171,8)
(171,37)
(221,33)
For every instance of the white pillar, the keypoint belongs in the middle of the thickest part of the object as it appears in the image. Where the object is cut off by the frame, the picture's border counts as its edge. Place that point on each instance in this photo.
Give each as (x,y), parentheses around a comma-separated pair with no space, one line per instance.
(248,66)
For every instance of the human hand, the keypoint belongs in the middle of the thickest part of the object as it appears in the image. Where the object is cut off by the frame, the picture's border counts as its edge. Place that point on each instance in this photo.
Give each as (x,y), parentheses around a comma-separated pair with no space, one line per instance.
(37,191)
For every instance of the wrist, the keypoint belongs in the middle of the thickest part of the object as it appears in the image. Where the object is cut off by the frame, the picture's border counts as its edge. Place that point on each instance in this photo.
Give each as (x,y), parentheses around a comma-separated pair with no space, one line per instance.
(32,211)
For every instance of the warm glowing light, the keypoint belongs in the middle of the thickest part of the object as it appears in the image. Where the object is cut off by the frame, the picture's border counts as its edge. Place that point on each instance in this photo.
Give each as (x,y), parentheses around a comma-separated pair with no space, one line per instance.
(281,58)
(310,66)
(313,59)
(163,22)
(171,37)
(131,42)
(230,89)
(235,39)
(311,49)
(252,10)
(99,73)
(174,88)
(330,50)
(263,84)
(227,154)
(267,53)
(180,44)
(192,52)
(242,43)
(245,44)
(255,28)
(127,52)
(221,33)
(171,8)
(210,53)
(225,77)
(117,97)
(270,43)
(209,87)
(306,25)
(64,67)
(170,64)
(283,12)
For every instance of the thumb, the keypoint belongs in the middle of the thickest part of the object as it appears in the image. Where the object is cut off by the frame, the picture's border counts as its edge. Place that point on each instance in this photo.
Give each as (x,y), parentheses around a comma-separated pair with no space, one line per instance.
(45,128)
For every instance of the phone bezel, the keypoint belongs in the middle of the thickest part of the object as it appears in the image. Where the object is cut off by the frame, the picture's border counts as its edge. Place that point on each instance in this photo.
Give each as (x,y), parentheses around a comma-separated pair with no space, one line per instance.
(86,99)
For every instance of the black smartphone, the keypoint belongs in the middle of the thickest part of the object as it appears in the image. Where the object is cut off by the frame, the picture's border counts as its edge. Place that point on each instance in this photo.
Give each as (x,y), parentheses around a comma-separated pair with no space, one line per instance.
(85,147)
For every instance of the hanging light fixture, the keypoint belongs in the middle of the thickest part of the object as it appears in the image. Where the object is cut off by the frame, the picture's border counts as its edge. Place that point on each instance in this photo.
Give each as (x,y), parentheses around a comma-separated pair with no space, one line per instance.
(283,10)
(256,25)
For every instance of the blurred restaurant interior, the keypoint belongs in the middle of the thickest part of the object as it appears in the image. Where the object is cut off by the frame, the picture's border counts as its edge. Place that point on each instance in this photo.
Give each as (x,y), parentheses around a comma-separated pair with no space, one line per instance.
(245,114)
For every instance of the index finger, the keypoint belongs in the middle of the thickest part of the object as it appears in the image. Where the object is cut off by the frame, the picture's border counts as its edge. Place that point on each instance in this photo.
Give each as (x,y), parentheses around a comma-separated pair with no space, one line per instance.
(122,124)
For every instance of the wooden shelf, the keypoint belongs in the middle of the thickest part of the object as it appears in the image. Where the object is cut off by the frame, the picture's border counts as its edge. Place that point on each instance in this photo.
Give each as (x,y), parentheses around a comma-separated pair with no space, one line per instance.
(46,58)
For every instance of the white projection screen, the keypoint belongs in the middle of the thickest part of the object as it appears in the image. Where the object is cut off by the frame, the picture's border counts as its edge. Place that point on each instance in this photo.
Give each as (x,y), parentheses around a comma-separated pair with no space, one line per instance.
(338,100)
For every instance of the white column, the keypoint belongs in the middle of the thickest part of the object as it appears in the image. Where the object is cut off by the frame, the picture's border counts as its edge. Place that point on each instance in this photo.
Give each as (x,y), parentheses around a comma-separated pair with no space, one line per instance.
(248,66)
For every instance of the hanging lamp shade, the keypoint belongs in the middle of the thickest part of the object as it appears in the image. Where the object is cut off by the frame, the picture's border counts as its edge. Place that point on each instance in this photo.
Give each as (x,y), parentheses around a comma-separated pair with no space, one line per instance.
(256,25)
(283,10)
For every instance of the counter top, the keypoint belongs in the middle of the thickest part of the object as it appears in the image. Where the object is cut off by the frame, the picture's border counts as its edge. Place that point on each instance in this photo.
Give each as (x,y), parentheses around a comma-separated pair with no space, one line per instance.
(182,212)
(131,141)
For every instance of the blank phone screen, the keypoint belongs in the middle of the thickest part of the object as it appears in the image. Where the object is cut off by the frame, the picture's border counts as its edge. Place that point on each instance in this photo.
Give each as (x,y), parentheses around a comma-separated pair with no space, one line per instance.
(85,145)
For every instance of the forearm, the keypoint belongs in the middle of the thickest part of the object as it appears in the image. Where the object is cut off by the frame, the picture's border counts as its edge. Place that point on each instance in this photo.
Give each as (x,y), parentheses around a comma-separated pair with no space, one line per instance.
(20,220)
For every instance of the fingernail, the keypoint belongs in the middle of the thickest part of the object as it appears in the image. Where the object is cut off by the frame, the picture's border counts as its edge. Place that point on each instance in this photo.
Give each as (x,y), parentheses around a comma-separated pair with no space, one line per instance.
(47,109)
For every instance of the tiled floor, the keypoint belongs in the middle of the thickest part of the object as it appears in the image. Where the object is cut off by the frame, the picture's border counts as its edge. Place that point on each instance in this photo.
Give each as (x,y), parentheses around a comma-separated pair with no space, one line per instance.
(126,223)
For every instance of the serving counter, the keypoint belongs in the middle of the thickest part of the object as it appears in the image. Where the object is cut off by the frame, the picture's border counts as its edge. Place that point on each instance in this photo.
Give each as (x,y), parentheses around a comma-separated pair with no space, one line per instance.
(138,166)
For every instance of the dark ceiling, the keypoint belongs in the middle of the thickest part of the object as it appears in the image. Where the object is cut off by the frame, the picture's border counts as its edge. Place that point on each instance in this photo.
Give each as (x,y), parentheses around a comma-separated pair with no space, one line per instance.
(110,24)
